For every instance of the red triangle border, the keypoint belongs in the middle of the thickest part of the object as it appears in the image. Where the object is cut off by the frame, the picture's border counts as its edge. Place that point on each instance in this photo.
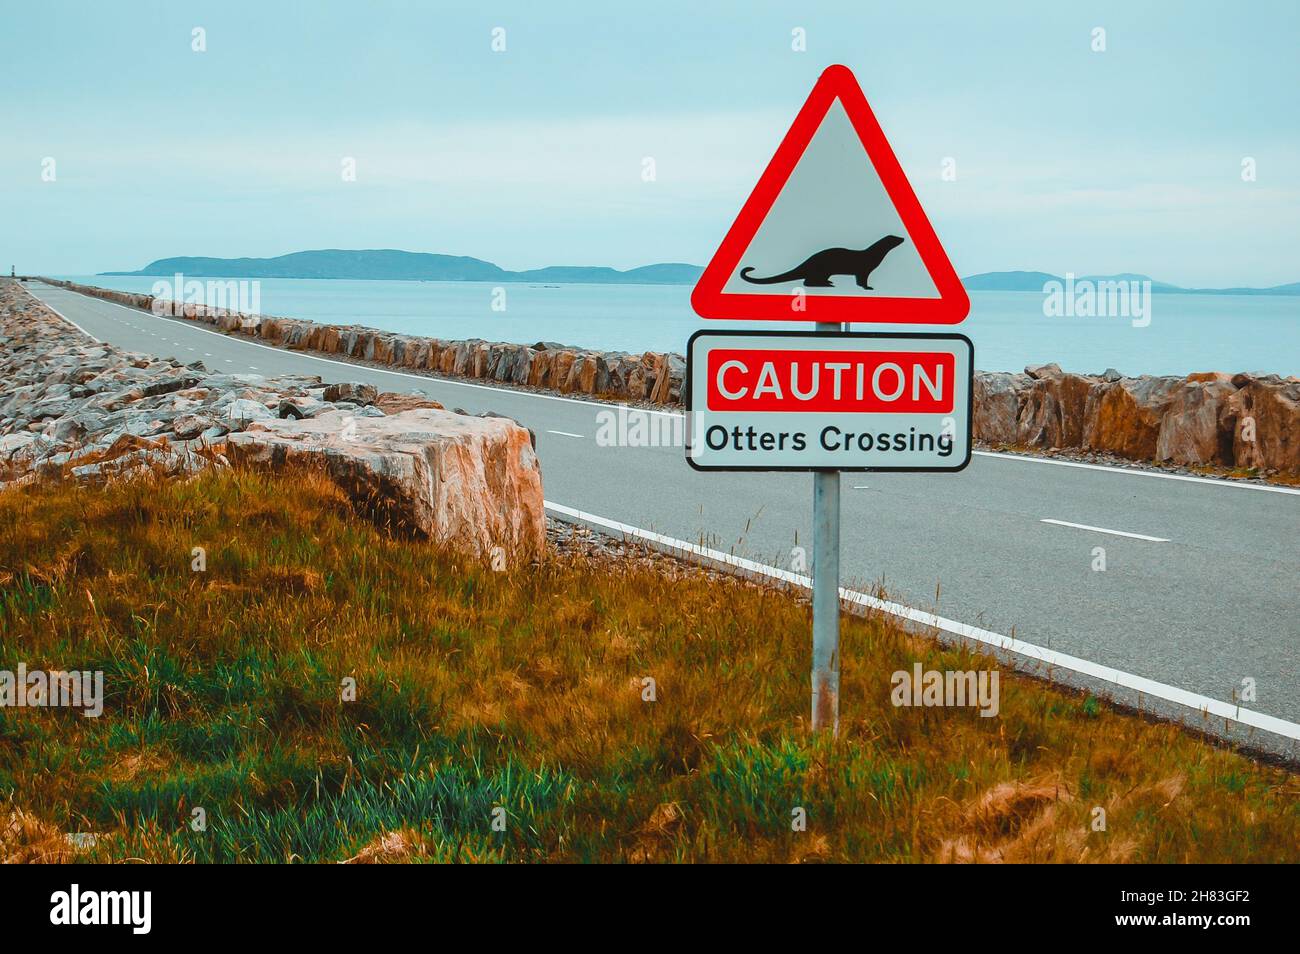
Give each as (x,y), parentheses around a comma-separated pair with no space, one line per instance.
(950,308)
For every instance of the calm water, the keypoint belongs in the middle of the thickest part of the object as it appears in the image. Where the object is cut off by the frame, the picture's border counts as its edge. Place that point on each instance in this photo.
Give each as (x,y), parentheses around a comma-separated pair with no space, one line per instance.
(1186,333)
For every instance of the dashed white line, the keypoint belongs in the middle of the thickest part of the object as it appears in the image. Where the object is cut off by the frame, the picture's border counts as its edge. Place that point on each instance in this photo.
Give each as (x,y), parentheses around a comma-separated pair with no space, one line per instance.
(1116,533)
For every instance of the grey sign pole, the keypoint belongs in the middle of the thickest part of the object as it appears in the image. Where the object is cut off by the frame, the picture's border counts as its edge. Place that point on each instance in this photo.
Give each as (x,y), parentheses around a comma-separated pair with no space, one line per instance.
(826,594)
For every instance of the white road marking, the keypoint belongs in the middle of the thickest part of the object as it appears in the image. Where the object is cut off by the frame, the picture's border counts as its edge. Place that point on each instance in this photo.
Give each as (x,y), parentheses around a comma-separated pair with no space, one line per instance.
(1133,472)
(1191,700)
(997,455)
(1116,533)
(565,434)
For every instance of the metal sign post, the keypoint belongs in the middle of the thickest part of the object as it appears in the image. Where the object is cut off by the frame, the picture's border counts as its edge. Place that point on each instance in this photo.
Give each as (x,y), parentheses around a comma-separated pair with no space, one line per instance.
(826,594)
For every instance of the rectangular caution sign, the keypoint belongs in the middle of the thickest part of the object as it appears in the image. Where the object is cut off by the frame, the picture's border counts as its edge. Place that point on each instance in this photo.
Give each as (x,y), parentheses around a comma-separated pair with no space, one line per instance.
(837,400)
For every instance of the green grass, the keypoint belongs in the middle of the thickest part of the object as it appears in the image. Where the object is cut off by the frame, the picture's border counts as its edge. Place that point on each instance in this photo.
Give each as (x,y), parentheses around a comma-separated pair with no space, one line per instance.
(521,692)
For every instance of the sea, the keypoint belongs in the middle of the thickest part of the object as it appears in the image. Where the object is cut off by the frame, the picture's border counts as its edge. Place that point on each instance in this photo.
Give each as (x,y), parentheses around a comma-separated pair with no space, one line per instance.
(1010,330)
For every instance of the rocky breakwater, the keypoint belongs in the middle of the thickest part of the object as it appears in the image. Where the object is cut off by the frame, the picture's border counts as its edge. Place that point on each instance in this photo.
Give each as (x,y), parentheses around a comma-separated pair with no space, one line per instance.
(651,377)
(1229,421)
(74,408)
(1239,421)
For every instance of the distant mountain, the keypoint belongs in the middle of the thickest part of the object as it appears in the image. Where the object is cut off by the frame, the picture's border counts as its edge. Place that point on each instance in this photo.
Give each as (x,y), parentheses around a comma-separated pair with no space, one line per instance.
(395,265)
(1007,281)
(1034,281)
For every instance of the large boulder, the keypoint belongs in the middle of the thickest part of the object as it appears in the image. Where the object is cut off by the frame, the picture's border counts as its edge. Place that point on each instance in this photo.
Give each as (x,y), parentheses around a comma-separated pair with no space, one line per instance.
(470,483)
(1197,426)
(996,398)
(352,391)
(670,373)
(1053,407)
(1265,413)
(1124,417)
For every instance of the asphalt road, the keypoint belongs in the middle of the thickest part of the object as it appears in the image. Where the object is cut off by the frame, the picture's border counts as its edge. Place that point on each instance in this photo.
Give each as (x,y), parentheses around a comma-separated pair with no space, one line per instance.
(1210,602)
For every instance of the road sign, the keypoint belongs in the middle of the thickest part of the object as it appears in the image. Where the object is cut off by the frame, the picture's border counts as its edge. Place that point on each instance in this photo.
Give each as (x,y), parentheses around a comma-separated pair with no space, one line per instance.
(833,231)
(834,234)
(832,400)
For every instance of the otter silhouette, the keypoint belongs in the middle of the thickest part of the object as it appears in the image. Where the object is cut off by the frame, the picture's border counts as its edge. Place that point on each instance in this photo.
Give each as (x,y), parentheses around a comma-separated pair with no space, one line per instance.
(816,270)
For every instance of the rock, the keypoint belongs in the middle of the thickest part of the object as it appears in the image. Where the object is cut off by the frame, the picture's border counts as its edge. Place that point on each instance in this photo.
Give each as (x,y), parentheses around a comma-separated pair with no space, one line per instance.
(64,429)
(1193,429)
(996,397)
(1053,408)
(1264,416)
(391,402)
(1037,371)
(16,445)
(189,426)
(168,384)
(243,409)
(301,407)
(532,437)
(466,482)
(670,372)
(1125,417)
(354,392)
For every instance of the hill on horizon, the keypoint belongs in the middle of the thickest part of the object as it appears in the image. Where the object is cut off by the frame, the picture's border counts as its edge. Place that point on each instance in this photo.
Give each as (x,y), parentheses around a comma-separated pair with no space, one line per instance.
(397,265)
(390,264)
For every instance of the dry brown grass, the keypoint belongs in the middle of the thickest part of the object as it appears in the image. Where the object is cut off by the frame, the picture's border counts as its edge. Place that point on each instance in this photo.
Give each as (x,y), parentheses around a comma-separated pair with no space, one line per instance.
(522,691)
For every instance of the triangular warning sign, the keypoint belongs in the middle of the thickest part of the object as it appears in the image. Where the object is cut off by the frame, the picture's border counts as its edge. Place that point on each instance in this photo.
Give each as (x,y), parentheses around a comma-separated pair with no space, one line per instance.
(833,231)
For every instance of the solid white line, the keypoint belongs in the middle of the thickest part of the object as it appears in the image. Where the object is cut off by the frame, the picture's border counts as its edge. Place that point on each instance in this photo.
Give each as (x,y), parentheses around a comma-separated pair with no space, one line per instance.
(190,323)
(66,318)
(1203,704)
(565,434)
(1117,533)
(1132,472)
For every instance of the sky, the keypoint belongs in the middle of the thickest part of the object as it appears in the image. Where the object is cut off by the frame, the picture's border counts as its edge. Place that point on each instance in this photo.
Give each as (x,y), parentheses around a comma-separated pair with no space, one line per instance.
(1066,158)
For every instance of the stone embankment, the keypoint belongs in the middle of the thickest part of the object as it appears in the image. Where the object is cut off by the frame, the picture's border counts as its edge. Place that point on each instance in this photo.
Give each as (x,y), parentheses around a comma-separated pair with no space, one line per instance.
(76,408)
(1229,421)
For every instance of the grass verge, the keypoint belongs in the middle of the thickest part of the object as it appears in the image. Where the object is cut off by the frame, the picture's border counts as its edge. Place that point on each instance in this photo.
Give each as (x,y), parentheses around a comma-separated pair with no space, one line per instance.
(519,697)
